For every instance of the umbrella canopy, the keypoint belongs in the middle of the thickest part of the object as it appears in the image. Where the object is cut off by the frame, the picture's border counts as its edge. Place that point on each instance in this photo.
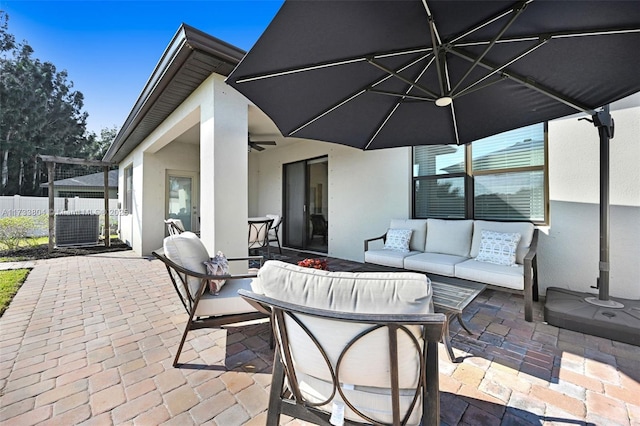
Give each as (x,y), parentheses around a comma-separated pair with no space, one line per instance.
(379,74)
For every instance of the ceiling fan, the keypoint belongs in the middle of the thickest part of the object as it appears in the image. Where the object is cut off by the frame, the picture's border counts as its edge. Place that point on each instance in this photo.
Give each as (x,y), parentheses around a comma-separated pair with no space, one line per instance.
(257,145)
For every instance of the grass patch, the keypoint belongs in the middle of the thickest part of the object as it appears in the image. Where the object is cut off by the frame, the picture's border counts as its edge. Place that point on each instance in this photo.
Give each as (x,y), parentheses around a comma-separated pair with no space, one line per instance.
(27,242)
(10,282)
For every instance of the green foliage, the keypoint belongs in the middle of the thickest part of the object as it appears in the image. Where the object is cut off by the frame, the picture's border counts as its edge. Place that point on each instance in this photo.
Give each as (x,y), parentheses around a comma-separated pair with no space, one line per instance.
(10,282)
(16,231)
(40,113)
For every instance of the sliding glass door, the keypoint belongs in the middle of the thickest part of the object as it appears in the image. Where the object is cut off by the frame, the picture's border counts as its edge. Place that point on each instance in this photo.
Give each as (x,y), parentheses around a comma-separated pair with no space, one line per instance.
(306,204)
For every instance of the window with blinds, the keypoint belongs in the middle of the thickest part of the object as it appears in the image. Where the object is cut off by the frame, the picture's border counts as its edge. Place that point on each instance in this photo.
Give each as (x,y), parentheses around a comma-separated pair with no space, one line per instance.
(502,177)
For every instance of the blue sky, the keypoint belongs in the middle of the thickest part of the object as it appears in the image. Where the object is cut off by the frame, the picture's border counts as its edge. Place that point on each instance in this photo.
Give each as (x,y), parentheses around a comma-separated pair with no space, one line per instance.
(109,48)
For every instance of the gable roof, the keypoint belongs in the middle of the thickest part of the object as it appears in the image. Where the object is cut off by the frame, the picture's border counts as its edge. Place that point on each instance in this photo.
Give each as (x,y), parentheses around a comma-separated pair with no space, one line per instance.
(191,57)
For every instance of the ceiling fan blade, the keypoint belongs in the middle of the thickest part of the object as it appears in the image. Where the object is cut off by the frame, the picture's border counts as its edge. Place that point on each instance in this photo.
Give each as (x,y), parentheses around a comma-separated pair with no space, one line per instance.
(253,145)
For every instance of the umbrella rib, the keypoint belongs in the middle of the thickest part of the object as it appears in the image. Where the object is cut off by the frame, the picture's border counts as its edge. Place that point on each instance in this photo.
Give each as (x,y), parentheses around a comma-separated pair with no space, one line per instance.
(455,124)
(528,82)
(354,95)
(516,13)
(560,34)
(396,106)
(396,74)
(439,56)
(382,125)
(322,65)
(402,95)
(490,21)
(495,70)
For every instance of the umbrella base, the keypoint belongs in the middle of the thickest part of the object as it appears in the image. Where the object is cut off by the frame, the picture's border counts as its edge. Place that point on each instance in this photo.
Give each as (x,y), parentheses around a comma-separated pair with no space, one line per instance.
(570,309)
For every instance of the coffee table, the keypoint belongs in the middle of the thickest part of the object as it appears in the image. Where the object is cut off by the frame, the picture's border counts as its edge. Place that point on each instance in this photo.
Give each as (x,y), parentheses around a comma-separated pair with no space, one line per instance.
(451,299)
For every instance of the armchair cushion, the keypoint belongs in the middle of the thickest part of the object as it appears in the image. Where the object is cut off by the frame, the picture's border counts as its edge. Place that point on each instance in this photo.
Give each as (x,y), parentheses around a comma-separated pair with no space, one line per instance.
(188,251)
(358,292)
(227,301)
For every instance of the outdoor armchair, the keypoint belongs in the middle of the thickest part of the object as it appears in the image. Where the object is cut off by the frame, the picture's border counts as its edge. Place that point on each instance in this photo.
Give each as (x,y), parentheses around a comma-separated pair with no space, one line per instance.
(184,256)
(352,347)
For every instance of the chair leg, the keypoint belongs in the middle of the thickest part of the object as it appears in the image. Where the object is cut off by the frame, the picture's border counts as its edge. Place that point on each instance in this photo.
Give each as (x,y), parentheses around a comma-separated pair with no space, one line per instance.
(277,382)
(278,241)
(184,338)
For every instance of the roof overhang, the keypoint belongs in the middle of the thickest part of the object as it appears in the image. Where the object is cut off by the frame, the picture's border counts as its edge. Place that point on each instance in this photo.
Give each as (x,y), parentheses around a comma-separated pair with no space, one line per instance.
(191,57)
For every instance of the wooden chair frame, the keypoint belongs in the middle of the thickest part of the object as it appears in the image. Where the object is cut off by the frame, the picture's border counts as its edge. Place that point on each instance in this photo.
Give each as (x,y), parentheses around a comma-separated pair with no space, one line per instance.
(285,396)
(179,277)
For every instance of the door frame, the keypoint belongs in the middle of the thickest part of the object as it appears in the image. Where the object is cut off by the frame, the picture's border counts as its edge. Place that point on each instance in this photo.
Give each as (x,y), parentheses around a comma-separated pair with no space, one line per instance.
(306,212)
(195,194)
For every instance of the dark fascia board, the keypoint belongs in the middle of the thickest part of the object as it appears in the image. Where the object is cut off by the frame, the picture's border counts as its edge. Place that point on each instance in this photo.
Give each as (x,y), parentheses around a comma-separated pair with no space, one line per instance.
(185,42)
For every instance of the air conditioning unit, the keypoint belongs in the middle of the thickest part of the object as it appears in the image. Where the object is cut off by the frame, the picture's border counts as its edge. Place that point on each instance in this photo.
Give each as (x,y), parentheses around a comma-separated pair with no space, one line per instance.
(77,229)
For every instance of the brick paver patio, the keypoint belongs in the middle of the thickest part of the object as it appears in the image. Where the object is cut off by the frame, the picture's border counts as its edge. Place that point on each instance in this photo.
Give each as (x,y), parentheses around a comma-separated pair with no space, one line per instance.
(89,340)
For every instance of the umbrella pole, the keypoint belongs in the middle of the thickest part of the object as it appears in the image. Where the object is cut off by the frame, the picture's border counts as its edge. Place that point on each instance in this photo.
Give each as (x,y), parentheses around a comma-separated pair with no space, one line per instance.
(603,121)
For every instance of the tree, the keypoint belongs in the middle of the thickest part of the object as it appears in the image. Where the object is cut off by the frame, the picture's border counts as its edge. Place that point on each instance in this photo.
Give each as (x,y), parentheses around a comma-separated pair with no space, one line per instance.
(40,113)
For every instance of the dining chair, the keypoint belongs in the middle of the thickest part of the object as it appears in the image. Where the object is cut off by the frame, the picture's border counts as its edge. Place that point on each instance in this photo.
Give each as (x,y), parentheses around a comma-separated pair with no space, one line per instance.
(275,229)
(259,234)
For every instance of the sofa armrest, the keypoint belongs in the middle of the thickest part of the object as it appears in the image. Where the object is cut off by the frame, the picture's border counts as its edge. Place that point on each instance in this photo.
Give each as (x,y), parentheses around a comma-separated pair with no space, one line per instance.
(531,277)
(381,237)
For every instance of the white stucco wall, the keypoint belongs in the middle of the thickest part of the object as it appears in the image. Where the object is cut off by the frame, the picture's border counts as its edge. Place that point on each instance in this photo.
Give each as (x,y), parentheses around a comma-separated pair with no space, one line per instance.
(366,189)
(569,246)
(221,114)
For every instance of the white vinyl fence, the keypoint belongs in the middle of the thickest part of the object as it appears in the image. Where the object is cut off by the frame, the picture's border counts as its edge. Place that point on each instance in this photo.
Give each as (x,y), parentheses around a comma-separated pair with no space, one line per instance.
(17,205)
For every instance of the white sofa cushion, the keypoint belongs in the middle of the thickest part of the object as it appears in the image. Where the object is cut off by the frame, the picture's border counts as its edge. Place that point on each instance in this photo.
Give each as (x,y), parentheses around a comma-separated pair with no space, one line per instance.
(366,292)
(449,236)
(490,273)
(419,234)
(435,263)
(394,259)
(525,229)
(498,247)
(398,240)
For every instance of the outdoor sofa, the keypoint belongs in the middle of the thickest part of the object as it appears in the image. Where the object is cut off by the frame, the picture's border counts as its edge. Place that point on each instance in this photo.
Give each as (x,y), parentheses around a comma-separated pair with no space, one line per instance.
(502,255)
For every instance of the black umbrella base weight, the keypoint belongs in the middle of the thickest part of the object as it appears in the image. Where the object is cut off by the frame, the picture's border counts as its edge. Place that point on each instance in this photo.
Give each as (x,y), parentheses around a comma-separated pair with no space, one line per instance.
(570,310)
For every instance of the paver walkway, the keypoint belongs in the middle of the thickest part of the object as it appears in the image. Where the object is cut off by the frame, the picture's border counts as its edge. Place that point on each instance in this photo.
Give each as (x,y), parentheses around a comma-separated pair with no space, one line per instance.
(89,340)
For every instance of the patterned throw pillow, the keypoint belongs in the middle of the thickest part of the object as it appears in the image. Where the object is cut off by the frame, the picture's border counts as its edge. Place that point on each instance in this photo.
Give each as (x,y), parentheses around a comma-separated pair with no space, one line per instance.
(217,265)
(398,240)
(498,247)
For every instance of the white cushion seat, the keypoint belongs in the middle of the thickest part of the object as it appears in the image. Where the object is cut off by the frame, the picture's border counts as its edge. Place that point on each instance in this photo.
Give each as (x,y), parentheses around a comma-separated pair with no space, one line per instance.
(489,273)
(392,258)
(434,263)
(227,301)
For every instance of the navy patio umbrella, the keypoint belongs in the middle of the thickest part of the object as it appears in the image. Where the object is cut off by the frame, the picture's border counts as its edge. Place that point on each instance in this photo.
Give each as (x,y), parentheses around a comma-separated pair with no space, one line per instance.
(380,74)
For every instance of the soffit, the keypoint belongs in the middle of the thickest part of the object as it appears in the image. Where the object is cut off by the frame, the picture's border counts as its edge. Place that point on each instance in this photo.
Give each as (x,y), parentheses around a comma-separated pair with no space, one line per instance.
(191,57)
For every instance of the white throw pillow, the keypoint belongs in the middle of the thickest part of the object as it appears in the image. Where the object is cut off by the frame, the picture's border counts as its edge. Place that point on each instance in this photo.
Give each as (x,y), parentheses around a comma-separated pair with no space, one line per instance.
(398,240)
(498,247)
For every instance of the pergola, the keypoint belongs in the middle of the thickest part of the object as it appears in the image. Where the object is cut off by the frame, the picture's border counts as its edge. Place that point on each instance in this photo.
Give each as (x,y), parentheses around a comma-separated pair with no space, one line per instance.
(51,161)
